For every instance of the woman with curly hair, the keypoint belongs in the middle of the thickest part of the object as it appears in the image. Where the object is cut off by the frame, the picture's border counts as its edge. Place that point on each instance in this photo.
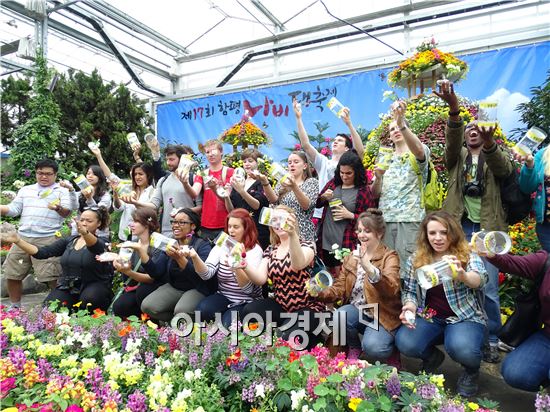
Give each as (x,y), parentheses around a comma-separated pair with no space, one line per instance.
(349,187)
(459,320)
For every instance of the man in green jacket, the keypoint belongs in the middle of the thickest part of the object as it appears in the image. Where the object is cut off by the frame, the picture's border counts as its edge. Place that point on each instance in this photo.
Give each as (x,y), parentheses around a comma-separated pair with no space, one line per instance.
(476,164)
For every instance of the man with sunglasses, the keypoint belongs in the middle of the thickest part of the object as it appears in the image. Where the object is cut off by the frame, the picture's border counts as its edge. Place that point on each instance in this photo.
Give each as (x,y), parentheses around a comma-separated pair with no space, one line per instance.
(43,207)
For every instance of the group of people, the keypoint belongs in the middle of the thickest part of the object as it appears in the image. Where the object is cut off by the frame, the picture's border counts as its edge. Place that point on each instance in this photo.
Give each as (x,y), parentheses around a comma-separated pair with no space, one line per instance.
(381,219)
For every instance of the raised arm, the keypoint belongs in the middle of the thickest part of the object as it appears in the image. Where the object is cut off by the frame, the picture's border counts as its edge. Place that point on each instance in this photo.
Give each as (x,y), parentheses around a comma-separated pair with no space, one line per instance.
(97,153)
(302,134)
(355,138)
(411,139)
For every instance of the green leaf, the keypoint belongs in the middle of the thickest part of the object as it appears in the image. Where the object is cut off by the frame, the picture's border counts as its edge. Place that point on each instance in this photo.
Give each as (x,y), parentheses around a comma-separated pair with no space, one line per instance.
(284,384)
(321,390)
(385,403)
(366,406)
(309,361)
(283,401)
(335,378)
(319,404)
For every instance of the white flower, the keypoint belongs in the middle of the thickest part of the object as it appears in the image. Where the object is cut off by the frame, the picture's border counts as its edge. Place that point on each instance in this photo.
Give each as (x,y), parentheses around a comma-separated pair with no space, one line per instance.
(296,398)
(335,246)
(198,373)
(189,375)
(259,390)
(199,409)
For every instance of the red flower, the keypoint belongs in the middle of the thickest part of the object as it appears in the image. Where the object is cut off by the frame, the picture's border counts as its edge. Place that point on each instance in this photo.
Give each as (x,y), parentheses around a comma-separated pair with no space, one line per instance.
(501,278)
(292,356)
(98,313)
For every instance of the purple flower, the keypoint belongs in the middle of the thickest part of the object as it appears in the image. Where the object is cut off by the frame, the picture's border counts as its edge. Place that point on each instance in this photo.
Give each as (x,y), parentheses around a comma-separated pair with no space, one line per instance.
(137,402)
(393,385)
(371,384)
(193,360)
(27,172)
(542,402)
(45,369)
(353,388)
(427,391)
(451,407)
(3,341)
(17,357)
(149,358)
(6,385)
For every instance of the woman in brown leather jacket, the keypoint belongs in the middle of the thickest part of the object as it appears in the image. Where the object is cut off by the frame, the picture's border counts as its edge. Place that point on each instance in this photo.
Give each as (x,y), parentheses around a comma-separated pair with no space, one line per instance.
(369,288)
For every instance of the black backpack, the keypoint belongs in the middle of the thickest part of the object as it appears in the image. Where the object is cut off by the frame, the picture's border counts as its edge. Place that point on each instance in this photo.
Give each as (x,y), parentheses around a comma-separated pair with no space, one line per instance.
(516,204)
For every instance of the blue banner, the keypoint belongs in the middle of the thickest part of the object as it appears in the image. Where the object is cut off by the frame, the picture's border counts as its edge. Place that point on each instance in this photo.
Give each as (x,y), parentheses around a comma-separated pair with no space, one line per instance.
(505,75)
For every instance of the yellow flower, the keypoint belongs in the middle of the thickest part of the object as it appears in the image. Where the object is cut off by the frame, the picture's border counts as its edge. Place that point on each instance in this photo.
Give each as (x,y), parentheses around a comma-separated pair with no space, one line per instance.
(354,403)
(437,380)
(77,304)
(473,406)
(152,325)
(58,234)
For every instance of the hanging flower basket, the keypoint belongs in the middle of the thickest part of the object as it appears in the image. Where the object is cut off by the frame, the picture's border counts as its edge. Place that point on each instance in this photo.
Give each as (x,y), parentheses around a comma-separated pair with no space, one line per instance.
(427,65)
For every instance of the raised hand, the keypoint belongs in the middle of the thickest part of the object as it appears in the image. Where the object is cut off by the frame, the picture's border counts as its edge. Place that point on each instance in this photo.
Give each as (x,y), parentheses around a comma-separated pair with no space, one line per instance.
(297,108)
(346,116)
(447,93)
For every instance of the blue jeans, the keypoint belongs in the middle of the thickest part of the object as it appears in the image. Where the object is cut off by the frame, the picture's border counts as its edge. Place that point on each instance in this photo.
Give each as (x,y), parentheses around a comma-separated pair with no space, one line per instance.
(218,303)
(492,300)
(462,340)
(377,344)
(543,233)
(528,366)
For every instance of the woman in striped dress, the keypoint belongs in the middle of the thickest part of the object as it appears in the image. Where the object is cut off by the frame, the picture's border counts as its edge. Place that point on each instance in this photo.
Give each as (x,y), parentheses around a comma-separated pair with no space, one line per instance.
(286,263)
(235,290)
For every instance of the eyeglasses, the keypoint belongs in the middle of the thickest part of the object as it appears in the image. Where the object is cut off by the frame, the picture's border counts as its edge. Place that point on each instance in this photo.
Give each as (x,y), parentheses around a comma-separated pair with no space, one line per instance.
(48,174)
(180,222)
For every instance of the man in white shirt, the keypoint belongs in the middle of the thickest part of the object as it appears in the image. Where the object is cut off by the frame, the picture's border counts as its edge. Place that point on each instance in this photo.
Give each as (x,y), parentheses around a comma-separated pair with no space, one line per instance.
(43,207)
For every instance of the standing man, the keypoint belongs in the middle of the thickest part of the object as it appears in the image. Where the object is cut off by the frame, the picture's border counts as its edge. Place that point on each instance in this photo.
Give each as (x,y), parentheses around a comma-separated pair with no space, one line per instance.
(173,191)
(473,195)
(399,187)
(324,166)
(214,211)
(43,207)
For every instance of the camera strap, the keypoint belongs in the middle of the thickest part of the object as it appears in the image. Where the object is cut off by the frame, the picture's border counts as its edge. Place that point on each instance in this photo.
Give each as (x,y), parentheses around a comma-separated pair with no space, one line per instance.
(479,170)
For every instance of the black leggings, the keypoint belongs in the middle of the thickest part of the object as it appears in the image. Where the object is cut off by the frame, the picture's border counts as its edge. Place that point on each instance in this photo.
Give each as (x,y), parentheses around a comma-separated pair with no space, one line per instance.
(311,321)
(129,303)
(97,294)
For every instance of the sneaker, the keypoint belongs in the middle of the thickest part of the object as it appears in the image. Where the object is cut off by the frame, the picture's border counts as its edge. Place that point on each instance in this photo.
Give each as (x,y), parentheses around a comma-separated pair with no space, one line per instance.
(466,385)
(432,363)
(504,347)
(490,354)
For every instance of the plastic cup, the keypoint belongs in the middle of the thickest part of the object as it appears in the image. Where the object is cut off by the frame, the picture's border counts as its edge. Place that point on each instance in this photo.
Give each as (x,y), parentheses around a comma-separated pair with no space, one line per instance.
(320,281)
(410,317)
(124,188)
(93,145)
(114,179)
(276,218)
(487,115)
(530,142)
(230,247)
(384,157)
(494,243)
(186,163)
(82,182)
(124,256)
(335,106)
(161,242)
(239,174)
(149,138)
(333,203)
(133,140)
(278,172)
(432,275)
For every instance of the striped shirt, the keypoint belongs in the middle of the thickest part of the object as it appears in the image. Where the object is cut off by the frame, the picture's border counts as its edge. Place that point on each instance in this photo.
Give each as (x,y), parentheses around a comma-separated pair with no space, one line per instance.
(462,299)
(31,203)
(227,283)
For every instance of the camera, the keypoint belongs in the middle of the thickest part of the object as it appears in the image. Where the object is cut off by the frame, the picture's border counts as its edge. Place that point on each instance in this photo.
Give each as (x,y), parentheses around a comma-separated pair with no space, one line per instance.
(473,189)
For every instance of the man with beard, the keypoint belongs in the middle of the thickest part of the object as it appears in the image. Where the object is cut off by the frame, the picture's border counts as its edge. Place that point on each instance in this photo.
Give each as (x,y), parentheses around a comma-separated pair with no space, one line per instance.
(473,195)
(171,192)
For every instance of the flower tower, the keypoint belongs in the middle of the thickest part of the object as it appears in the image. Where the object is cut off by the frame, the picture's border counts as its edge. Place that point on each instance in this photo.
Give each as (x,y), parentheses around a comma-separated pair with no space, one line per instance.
(241,135)
(425,67)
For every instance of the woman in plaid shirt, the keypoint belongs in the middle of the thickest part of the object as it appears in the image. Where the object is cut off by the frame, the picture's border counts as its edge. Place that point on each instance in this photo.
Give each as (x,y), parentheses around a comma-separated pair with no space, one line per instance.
(456,316)
(349,187)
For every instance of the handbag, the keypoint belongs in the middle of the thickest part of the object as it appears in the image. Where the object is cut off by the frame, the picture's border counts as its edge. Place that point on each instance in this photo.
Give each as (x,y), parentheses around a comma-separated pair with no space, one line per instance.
(525,320)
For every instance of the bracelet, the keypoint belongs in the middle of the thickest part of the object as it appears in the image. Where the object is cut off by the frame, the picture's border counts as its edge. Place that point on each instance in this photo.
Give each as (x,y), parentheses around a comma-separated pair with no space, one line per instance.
(454,113)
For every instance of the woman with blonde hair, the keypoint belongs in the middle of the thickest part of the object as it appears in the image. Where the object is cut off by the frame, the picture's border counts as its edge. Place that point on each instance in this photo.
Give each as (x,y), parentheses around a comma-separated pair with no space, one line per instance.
(457,318)
(286,265)
(535,177)
(299,191)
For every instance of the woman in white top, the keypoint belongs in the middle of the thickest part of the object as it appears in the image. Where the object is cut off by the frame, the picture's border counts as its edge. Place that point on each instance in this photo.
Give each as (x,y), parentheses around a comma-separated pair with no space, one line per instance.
(142,190)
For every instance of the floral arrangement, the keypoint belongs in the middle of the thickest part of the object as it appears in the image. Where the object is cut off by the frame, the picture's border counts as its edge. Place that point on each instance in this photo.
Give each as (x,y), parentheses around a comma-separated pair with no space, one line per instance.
(426,313)
(428,57)
(244,133)
(56,361)
(542,401)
